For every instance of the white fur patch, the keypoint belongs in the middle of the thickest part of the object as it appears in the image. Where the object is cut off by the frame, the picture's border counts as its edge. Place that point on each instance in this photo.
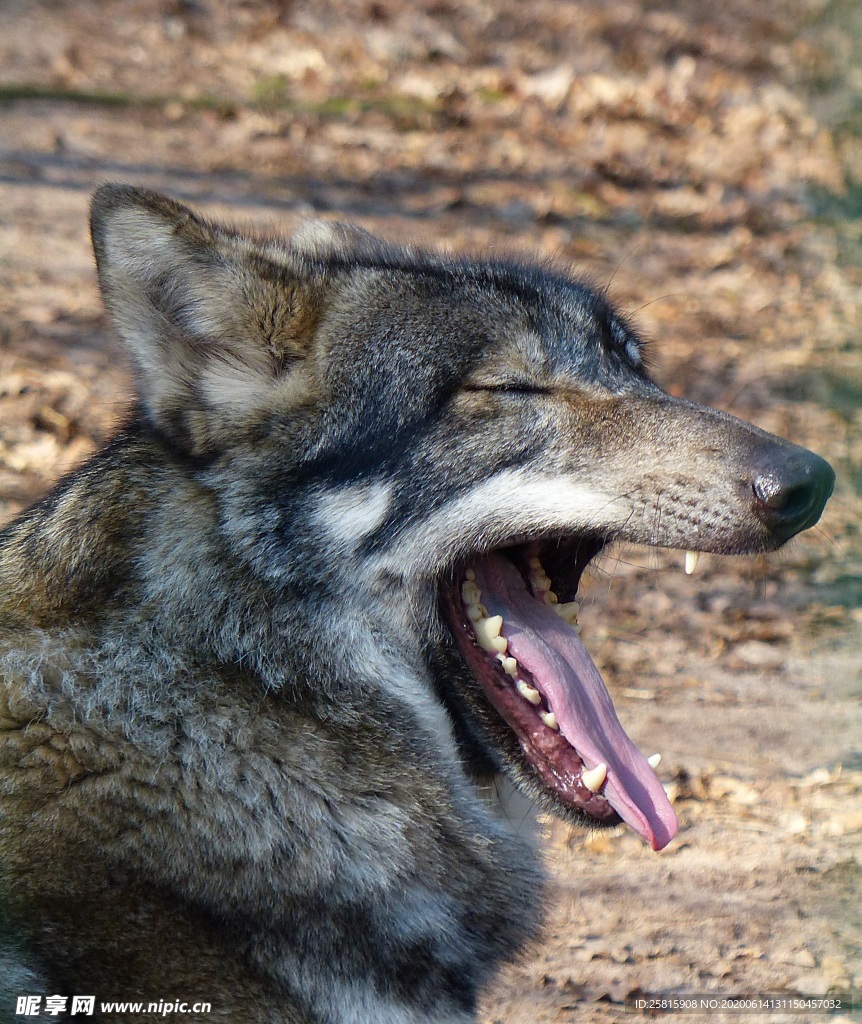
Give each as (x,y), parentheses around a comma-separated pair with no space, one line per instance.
(511,503)
(349,514)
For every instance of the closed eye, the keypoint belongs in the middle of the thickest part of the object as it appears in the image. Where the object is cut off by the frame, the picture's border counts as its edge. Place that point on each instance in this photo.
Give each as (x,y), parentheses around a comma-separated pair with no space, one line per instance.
(511,387)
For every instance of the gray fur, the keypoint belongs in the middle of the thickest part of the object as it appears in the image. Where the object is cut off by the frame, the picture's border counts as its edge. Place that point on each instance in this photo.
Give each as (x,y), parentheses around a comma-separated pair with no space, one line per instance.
(240,759)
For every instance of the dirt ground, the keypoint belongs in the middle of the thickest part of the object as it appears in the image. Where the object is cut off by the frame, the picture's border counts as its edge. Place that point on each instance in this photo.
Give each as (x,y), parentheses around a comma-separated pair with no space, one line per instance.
(702,161)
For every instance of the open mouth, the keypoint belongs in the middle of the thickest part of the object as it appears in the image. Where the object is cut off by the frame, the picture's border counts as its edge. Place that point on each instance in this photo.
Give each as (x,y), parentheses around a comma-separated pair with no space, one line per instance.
(514,614)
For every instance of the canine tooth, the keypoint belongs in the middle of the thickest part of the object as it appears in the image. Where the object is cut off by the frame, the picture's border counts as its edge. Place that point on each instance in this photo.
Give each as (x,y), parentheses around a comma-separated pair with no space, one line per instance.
(568,611)
(691,560)
(528,692)
(654,761)
(510,665)
(594,777)
(550,719)
(471,593)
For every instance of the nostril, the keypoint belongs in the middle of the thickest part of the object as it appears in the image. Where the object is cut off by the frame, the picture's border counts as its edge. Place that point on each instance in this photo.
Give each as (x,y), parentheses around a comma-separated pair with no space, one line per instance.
(791,500)
(791,492)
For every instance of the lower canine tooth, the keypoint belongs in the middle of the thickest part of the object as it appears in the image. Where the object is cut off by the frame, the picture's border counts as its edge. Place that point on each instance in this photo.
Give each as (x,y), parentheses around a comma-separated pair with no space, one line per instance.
(528,692)
(691,560)
(654,761)
(550,719)
(594,777)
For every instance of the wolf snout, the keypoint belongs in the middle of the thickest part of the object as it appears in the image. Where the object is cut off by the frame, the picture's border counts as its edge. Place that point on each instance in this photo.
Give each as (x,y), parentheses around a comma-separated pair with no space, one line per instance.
(790,488)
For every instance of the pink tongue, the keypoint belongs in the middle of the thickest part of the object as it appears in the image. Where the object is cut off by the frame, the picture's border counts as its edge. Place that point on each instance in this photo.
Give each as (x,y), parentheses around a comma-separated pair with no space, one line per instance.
(564,672)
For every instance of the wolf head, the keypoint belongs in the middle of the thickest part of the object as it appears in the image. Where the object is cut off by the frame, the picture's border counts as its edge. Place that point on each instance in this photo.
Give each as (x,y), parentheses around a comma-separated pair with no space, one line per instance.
(448,442)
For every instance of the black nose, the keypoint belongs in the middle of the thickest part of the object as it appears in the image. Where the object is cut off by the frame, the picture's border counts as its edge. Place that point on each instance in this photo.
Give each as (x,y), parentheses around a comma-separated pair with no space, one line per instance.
(791,487)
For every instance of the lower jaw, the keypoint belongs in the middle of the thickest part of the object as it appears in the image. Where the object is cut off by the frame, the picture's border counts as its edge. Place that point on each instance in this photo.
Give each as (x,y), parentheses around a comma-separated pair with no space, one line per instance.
(545,754)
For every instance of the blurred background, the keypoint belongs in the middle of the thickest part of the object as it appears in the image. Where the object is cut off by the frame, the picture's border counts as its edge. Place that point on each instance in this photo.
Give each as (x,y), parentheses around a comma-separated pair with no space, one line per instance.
(701,161)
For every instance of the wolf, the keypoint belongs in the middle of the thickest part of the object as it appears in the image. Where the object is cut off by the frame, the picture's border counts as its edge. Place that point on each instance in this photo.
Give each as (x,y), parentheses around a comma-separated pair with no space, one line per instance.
(264,653)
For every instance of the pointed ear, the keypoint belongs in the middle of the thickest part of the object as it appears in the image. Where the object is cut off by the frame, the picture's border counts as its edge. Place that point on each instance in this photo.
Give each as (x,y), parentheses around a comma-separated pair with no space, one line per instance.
(213,321)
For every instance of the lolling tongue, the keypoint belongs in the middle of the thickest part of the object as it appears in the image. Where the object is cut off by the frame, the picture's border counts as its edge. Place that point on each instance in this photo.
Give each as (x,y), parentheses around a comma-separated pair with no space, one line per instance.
(570,682)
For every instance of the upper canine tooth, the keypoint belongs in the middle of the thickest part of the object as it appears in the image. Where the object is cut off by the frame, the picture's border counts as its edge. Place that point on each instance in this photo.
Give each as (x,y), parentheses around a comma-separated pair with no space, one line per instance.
(550,719)
(691,560)
(593,778)
(654,761)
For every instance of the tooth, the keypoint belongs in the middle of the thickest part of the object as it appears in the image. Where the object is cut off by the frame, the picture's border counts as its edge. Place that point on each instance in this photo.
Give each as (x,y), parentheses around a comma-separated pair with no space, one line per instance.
(470,575)
(474,613)
(540,579)
(654,761)
(568,611)
(594,777)
(691,560)
(510,665)
(488,634)
(494,625)
(528,692)
(471,593)
(549,718)
(551,598)
(535,563)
